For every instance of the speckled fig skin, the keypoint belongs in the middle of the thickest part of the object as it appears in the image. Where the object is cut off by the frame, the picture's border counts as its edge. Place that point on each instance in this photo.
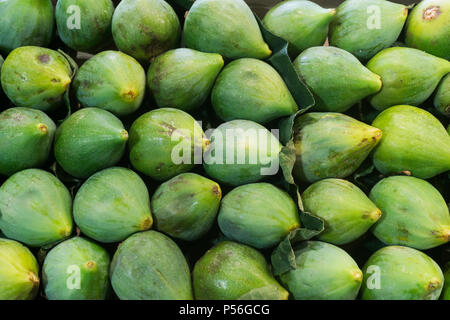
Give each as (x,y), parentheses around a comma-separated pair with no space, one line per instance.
(414,213)
(26,138)
(19,271)
(112,204)
(36,208)
(150,266)
(113,81)
(63,260)
(155,28)
(25,23)
(401,273)
(442,98)
(428,28)
(186,206)
(182,78)
(303,24)
(231,271)
(251,89)
(235,145)
(363,28)
(36,77)
(413,140)
(258,214)
(158,137)
(94,30)
(331,145)
(348,213)
(409,76)
(337,79)
(227,27)
(88,141)
(324,272)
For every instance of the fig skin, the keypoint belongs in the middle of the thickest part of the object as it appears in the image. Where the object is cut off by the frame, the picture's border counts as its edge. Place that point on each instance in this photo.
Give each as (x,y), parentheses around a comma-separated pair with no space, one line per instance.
(413,140)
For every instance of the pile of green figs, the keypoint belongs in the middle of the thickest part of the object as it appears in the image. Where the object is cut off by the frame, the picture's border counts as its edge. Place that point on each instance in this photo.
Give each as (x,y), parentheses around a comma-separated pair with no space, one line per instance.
(154,151)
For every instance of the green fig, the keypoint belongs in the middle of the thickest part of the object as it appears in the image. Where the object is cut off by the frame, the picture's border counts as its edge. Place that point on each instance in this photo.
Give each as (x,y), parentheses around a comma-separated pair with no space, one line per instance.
(401,273)
(241,152)
(231,271)
(36,77)
(165,142)
(19,270)
(1,89)
(186,206)
(155,28)
(442,97)
(446,291)
(409,76)
(113,81)
(323,272)
(428,28)
(25,23)
(251,89)
(35,208)
(2,95)
(183,78)
(346,210)
(88,141)
(76,269)
(337,79)
(303,24)
(258,214)
(26,137)
(227,27)
(112,204)
(331,145)
(413,140)
(364,28)
(414,213)
(84,25)
(150,266)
